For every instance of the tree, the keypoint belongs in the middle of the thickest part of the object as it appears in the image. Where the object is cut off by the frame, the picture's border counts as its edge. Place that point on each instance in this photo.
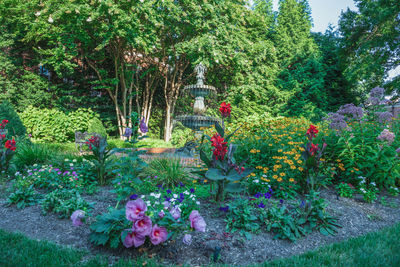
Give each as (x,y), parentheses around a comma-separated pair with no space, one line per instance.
(371,44)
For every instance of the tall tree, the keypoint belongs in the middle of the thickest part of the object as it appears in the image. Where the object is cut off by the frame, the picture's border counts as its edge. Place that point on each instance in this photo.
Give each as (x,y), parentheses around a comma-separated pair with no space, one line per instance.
(371,41)
(302,76)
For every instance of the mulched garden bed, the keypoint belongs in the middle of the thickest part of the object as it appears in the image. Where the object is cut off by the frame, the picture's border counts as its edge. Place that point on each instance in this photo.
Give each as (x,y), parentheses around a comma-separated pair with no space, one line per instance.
(356,217)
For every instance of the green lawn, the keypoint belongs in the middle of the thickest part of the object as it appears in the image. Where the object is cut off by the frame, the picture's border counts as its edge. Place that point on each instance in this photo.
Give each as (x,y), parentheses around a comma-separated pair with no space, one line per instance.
(374,249)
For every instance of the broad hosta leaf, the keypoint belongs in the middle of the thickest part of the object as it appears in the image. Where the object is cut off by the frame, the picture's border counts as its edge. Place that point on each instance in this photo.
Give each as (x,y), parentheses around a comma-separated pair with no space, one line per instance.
(234,188)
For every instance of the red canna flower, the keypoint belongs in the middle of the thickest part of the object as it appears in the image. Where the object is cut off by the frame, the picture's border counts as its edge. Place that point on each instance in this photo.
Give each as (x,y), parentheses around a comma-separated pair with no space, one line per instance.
(93,141)
(313,149)
(225,109)
(220,148)
(10,144)
(311,132)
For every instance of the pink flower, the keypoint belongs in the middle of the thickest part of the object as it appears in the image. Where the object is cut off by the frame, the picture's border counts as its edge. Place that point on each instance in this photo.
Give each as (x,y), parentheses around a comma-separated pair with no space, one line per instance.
(187,239)
(176,213)
(158,235)
(197,222)
(143,226)
(77,216)
(133,239)
(135,210)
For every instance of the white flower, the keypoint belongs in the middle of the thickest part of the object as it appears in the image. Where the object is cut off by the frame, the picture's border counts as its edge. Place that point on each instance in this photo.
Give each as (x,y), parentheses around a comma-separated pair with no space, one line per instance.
(373,183)
(256,181)
(363,190)
(51,19)
(66,159)
(198,202)
(148,203)
(186,192)
(152,194)
(74,160)
(175,196)
(89,19)
(71,164)
(157,202)
(142,196)
(37,14)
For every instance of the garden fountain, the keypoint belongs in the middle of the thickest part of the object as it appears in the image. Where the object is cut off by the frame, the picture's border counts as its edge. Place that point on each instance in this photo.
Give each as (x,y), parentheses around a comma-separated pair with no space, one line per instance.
(198,120)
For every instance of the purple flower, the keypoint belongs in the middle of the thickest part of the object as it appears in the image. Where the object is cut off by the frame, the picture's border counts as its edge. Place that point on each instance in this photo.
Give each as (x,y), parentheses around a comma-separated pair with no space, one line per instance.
(158,235)
(197,222)
(224,209)
(176,213)
(257,195)
(56,169)
(337,121)
(181,184)
(398,150)
(59,172)
(161,214)
(77,216)
(187,239)
(384,117)
(143,127)
(387,136)
(143,226)
(74,173)
(302,204)
(128,132)
(169,191)
(133,197)
(133,239)
(281,201)
(377,92)
(261,205)
(267,195)
(351,109)
(135,209)
(191,190)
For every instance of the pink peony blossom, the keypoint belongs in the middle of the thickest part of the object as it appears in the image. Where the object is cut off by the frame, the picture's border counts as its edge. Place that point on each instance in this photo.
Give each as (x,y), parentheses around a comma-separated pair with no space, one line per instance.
(77,216)
(133,239)
(187,239)
(197,222)
(135,209)
(176,213)
(158,235)
(143,226)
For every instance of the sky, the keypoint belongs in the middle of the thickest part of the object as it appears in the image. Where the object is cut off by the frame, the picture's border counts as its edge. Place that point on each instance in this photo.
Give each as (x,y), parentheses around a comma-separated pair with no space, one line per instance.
(324,12)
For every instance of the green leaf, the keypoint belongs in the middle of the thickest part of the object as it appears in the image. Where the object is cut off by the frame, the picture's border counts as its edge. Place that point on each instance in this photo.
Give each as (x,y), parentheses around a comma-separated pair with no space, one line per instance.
(219,129)
(234,188)
(204,158)
(215,175)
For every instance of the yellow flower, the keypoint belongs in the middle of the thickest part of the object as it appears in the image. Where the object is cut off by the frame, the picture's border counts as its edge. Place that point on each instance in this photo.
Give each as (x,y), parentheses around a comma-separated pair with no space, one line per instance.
(270,144)
(291,180)
(293,167)
(300,169)
(322,159)
(194,181)
(275,176)
(280,150)
(282,174)
(279,179)
(205,180)
(253,174)
(299,162)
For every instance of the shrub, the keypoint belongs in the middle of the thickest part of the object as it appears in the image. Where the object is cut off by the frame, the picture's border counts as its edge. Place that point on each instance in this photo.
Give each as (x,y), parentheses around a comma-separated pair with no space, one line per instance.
(181,135)
(15,126)
(96,126)
(29,154)
(55,125)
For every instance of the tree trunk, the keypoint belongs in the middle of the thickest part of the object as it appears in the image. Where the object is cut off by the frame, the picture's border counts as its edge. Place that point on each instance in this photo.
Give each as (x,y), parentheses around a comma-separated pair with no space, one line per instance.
(168,123)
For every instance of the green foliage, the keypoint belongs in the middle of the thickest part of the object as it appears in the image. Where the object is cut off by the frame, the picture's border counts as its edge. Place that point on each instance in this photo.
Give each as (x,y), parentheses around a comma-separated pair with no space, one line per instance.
(166,171)
(55,125)
(23,197)
(181,135)
(64,202)
(107,228)
(96,126)
(14,126)
(242,216)
(100,157)
(29,154)
(345,190)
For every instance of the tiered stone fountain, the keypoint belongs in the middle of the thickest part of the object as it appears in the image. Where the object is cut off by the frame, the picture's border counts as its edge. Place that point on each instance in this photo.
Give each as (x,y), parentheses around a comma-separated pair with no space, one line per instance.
(199,91)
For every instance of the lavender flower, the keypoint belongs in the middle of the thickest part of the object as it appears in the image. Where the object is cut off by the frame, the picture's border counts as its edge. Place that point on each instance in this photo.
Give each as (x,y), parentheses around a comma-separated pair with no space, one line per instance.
(387,136)
(398,150)
(384,117)
(337,121)
(143,127)
(377,92)
(128,132)
(224,209)
(261,205)
(351,109)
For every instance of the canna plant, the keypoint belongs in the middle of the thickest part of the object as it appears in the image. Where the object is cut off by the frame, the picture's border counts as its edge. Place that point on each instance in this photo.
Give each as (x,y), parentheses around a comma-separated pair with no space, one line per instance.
(7,147)
(100,156)
(223,171)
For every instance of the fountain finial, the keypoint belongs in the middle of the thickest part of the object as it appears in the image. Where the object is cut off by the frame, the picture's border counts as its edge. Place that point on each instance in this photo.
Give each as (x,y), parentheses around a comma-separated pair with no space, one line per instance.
(200,69)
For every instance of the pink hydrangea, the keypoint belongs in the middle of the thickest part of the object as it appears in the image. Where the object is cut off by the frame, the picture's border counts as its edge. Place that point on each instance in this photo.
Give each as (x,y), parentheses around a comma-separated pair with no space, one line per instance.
(158,235)
(133,238)
(77,217)
(135,210)
(197,222)
(143,226)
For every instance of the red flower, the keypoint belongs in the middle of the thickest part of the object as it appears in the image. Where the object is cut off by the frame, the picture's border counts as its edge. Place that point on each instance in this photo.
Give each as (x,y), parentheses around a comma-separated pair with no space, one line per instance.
(4,121)
(94,140)
(313,149)
(2,136)
(10,144)
(311,132)
(3,124)
(225,109)
(220,148)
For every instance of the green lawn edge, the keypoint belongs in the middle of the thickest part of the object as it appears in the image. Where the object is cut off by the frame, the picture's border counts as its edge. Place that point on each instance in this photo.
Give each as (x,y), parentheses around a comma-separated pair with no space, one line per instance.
(379,248)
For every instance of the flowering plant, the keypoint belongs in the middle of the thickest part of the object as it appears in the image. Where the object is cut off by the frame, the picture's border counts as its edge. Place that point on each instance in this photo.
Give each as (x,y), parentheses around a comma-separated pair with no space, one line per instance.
(223,171)
(312,155)
(99,156)
(345,190)
(159,216)
(7,147)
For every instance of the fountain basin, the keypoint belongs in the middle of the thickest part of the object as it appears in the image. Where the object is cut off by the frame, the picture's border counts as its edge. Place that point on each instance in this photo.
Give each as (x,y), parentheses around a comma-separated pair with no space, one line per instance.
(195,122)
(200,90)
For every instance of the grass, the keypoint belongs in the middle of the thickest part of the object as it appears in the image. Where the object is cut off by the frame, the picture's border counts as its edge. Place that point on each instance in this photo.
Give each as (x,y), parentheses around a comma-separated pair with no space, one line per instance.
(374,249)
